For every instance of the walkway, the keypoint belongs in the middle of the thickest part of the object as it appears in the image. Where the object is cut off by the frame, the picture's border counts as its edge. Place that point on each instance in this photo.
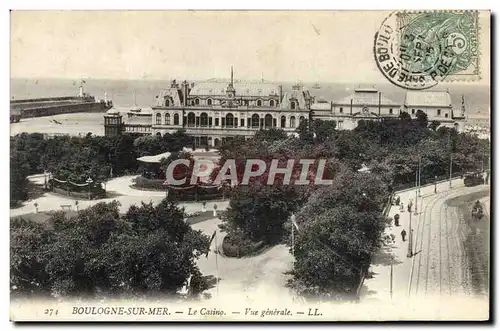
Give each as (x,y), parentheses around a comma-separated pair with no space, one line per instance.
(249,278)
(119,187)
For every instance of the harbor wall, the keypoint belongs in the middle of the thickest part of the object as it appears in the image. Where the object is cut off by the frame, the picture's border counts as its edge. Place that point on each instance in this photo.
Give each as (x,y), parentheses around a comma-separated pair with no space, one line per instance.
(64,109)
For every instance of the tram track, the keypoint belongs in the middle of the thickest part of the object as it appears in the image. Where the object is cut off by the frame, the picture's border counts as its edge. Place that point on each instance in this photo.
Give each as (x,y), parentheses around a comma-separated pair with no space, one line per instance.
(425,260)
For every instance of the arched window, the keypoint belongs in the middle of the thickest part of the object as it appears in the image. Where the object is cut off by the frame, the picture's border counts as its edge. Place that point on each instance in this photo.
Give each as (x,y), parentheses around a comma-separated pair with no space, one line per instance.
(167,119)
(301,118)
(268,121)
(196,101)
(292,105)
(204,119)
(191,119)
(292,121)
(176,119)
(271,103)
(259,103)
(158,119)
(230,120)
(283,121)
(167,102)
(255,121)
(158,134)
(209,102)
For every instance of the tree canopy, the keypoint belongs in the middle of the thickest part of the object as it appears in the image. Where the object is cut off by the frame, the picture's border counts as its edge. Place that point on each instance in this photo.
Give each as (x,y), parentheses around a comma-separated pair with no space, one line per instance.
(99,253)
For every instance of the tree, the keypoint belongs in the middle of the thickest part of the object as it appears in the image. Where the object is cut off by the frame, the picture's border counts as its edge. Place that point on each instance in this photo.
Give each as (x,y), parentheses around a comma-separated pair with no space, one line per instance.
(18,182)
(404,116)
(332,251)
(270,135)
(150,251)
(421,118)
(434,125)
(260,210)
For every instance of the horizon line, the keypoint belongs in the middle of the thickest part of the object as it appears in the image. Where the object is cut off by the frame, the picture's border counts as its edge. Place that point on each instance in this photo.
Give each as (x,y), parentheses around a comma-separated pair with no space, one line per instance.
(254,80)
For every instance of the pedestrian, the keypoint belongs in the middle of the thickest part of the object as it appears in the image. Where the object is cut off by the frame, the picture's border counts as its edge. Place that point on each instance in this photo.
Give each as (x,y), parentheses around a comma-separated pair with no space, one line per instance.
(403,234)
(402,207)
(396,220)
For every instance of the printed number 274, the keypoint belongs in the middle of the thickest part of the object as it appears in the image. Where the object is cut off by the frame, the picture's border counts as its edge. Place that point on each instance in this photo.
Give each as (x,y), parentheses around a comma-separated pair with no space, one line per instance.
(51,312)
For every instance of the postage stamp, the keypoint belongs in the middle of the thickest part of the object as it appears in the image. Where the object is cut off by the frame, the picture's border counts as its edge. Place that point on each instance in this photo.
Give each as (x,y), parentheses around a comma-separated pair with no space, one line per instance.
(418,49)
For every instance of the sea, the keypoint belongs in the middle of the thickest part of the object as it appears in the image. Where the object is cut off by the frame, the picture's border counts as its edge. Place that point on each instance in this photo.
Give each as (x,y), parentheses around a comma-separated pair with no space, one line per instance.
(127,93)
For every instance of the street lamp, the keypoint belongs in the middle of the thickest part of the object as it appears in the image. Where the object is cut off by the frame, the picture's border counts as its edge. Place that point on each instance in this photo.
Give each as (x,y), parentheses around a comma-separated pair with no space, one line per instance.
(294,224)
(89,181)
(45,173)
(435,184)
(410,239)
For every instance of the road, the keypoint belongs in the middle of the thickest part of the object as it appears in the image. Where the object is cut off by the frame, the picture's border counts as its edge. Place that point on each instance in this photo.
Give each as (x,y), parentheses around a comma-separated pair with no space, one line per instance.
(247,278)
(441,264)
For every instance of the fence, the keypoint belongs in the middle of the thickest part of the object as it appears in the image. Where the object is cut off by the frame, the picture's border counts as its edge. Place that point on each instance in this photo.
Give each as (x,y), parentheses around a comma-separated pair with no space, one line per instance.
(81,191)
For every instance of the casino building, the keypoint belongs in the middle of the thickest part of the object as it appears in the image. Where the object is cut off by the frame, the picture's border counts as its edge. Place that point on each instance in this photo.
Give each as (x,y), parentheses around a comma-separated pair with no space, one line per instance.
(216,110)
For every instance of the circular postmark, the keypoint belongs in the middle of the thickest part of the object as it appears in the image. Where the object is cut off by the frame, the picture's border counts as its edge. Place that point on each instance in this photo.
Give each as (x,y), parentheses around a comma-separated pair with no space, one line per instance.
(417,50)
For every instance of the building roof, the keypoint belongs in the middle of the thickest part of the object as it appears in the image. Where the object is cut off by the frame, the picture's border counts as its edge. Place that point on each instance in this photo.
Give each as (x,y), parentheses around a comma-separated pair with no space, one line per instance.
(138,120)
(172,94)
(217,87)
(321,106)
(428,98)
(298,95)
(113,111)
(154,158)
(368,97)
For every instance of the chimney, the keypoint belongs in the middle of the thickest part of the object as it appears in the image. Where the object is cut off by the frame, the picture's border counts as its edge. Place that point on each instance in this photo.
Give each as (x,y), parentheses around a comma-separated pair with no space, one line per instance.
(281,93)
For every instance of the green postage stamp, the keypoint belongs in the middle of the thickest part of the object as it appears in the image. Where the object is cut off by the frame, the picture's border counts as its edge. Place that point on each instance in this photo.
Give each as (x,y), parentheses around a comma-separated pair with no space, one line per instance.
(419,49)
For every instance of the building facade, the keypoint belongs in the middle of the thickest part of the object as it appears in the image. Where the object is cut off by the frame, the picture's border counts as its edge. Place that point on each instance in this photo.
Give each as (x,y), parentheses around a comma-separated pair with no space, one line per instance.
(438,107)
(217,110)
(362,104)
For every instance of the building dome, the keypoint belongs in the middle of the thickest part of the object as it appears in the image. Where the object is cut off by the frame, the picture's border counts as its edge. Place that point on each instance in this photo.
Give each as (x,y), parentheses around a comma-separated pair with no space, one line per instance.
(113,111)
(136,109)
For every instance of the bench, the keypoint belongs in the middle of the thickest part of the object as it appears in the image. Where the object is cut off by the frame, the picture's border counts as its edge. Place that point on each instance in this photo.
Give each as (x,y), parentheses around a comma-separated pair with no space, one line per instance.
(66,207)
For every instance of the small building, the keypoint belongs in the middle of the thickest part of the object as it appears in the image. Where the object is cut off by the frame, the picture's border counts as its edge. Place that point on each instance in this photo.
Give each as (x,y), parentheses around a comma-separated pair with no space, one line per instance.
(437,105)
(362,104)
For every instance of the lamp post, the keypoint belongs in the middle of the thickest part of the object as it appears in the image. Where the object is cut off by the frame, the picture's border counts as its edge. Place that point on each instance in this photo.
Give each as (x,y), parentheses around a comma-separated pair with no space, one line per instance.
(419,173)
(45,179)
(416,193)
(410,240)
(294,226)
(435,184)
(89,181)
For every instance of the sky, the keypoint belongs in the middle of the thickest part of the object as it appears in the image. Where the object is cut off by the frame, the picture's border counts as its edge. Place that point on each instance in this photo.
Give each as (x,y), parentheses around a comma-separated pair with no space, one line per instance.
(306,46)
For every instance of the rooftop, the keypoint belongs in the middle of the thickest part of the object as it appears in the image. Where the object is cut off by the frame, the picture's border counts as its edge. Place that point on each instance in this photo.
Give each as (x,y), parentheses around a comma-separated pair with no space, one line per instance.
(154,158)
(428,98)
(366,96)
(217,87)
